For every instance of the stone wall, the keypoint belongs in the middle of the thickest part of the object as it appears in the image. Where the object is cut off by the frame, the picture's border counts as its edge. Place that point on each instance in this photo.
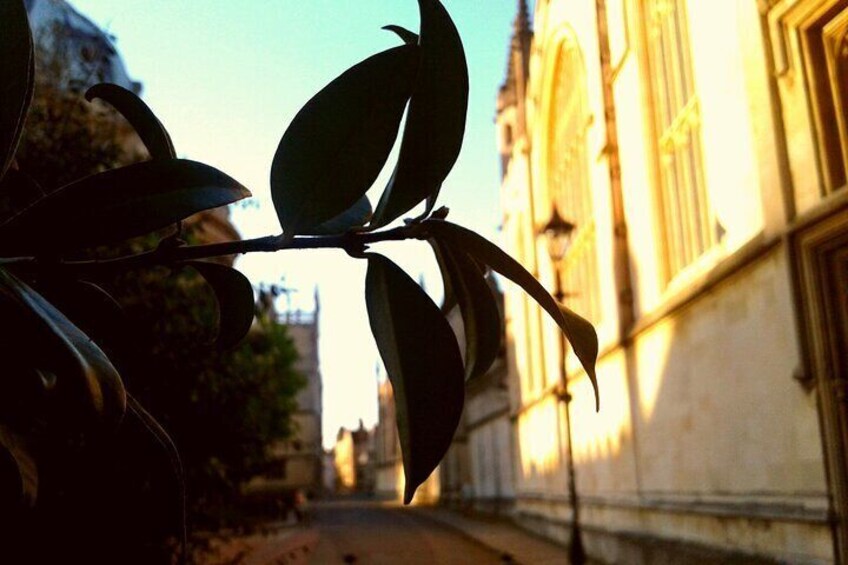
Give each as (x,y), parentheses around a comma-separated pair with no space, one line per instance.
(708,443)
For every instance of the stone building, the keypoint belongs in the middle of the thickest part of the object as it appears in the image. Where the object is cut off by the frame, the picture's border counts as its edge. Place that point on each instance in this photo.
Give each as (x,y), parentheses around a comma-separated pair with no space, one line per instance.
(388,462)
(478,470)
(344,462)
(297,463)
(87,54)
(354,460)
(363,455)
(697,150)
(491,451)
(301,458)
(329,471)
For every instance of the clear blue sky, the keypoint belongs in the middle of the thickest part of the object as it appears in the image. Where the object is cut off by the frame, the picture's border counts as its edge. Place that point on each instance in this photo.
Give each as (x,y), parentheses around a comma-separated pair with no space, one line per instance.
(227,77)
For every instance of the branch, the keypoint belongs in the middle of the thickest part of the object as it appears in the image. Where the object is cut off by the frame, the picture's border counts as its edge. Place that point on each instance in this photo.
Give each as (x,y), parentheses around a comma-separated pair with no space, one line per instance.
(355,243)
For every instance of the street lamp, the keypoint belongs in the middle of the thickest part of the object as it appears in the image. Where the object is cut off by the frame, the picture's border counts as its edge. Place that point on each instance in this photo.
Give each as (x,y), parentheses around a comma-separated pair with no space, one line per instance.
(558,232)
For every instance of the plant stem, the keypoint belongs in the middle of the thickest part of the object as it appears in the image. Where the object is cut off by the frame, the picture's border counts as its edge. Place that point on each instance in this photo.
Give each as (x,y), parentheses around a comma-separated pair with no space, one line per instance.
(353,242)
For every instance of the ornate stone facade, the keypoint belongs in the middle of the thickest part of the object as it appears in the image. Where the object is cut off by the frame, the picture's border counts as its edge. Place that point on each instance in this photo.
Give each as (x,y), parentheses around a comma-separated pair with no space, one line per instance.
(700,149)
(89,55)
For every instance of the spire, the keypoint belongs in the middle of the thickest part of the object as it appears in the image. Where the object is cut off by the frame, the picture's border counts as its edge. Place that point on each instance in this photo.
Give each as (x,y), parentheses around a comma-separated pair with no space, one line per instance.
(522,34)
(522,31)
(513,90)
(519,63)
(522,19)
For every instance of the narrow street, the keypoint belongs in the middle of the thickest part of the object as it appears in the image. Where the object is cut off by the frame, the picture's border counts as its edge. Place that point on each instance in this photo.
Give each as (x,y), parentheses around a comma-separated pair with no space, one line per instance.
(368,532)
(361,530)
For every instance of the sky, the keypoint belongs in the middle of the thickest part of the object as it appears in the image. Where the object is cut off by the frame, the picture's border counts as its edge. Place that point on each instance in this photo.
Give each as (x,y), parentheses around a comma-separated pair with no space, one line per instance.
(226,78)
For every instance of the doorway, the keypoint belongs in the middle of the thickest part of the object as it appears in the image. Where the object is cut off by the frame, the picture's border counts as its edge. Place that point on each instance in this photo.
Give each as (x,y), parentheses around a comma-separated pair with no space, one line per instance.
(822,261)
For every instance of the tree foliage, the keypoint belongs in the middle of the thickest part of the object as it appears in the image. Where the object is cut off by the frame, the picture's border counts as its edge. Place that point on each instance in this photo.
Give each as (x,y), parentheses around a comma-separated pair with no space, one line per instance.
(222,406)
(325,162)
(64,138)
(222,399)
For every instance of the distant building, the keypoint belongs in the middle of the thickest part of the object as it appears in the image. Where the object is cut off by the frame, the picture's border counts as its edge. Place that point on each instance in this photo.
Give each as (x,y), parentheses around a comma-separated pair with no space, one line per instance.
(491,450)
(302,456)
(87,54)
(388,462)
(354,460)
(363,453)
(329,471)
(73,54)
(699,150)
(344,462)
(454,471)
(389,480)
(477,471)
(297,464)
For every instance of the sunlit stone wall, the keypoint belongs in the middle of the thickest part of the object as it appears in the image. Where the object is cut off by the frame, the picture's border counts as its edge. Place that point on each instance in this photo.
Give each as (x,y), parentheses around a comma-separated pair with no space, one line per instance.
(706,440)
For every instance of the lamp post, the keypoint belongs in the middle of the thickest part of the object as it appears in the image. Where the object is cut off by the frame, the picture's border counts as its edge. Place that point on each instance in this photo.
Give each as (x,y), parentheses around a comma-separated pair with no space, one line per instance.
(558,232)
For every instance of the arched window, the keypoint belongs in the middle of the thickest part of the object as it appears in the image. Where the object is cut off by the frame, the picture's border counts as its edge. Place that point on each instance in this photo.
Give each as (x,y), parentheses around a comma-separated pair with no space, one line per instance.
(840,83)
(568,178)
(688,224)
(827,47)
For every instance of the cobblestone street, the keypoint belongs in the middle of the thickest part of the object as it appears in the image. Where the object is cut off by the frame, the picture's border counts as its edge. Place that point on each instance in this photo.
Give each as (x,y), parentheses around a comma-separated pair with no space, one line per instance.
(363,532)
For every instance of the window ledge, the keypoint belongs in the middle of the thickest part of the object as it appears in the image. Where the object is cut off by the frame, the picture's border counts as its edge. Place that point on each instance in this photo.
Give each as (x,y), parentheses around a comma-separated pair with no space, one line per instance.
(707,274)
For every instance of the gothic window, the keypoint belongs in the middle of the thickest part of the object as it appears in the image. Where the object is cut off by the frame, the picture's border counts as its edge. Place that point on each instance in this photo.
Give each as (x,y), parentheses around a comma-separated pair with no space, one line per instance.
(569,183)
(826,42)
(688,228)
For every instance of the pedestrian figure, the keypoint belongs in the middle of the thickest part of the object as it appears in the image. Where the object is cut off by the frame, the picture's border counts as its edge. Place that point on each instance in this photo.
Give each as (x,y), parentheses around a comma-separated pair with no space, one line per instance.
(301,508)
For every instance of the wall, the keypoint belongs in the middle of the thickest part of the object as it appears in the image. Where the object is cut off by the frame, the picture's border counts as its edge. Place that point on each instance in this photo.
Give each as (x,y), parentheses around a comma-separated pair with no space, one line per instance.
(706,444)
(301,458)
(345,462)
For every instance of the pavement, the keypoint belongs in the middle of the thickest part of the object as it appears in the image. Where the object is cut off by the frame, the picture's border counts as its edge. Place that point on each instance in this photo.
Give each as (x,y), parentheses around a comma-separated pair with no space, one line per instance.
(514,544)
(372,532)
(278,544)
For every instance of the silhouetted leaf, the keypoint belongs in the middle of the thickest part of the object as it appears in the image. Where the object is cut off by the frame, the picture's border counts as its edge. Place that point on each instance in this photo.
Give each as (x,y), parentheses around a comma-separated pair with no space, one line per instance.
(116,205)
(235,301)
(17,191)
(579,332)
(449,299)
(339,141)
(408,37)
(88,389)
(155,429)
(18,472)
(354,217)
(148,127)
(480,315)
(24,390)
(435,124)
(98,299)
(16,77)
(422,360)
(91,309)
